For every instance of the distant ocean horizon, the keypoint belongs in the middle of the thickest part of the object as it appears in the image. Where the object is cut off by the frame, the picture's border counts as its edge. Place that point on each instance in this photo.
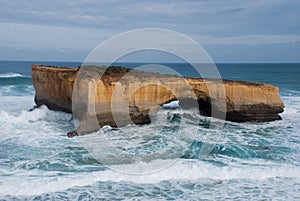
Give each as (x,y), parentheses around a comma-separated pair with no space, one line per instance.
(250,160)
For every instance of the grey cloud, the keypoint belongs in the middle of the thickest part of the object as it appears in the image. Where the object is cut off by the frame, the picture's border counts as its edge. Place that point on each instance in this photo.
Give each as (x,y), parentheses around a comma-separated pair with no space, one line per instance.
(232,10)
(83,23)
(212,17)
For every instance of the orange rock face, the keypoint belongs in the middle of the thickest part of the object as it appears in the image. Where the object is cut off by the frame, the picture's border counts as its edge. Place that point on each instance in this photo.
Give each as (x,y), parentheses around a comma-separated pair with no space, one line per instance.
(121,96)
(54,86)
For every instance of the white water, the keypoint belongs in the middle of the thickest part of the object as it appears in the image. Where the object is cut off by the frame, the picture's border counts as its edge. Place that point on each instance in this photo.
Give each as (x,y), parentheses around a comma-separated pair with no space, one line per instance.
(35,146)
(10,74)
(36,182)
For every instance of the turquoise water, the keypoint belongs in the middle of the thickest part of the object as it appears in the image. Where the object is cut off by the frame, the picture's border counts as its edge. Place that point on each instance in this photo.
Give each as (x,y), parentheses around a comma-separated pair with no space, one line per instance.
(259,161)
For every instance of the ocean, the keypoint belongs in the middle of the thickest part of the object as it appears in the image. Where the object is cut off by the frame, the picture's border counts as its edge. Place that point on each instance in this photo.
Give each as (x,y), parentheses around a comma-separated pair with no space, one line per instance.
(249,161)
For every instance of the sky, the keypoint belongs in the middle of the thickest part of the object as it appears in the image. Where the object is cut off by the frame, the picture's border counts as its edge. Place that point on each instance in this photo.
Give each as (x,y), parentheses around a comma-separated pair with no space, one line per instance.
(230,31)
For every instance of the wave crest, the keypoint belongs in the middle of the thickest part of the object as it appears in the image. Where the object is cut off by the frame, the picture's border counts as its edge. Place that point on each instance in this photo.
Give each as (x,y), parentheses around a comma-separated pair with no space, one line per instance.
(10,74)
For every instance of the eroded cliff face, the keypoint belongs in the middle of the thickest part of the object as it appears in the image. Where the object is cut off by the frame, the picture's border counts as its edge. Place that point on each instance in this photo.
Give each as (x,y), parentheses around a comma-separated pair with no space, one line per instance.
(124,96)
(54,86)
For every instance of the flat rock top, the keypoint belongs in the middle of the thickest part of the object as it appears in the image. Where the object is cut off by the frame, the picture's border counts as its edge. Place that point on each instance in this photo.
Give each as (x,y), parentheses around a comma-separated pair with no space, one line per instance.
(115,73)
(53,68)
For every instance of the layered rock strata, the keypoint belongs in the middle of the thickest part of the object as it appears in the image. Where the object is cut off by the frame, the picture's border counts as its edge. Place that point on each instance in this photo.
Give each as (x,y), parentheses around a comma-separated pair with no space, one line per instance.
(118,96)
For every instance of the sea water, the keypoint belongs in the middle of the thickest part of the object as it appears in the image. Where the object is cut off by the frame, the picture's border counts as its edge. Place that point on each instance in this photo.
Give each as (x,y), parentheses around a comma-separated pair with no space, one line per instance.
(259,161)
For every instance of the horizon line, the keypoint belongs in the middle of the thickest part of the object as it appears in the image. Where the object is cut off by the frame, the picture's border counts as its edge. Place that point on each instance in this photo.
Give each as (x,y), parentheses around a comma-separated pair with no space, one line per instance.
(162,62)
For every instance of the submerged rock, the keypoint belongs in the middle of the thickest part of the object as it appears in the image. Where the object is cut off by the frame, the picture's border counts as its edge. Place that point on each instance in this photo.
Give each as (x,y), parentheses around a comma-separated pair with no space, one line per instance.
(122,96)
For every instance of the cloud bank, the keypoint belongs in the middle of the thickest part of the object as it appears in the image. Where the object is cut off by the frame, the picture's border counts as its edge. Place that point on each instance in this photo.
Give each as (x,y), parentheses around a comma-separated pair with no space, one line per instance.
(229,30)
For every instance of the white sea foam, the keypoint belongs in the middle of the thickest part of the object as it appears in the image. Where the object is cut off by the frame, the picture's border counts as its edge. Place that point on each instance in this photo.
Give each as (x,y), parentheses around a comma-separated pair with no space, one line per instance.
(38,114)
(14,99)
(15,104)
(171,105)
(25,116)
(10,74)
(37,182)
(292,108)
(39,129)
(33,127)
